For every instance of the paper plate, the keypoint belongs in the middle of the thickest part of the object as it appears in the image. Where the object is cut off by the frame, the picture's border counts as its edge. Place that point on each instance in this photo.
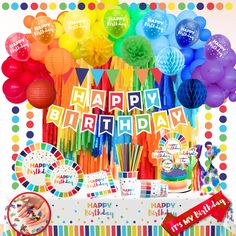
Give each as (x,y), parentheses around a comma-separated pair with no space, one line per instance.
(32,164)
(64,178)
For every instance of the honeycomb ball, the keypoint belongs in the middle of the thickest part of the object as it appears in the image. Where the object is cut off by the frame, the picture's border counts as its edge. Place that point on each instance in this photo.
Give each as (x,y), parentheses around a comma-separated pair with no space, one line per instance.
(192,93)
(170,61)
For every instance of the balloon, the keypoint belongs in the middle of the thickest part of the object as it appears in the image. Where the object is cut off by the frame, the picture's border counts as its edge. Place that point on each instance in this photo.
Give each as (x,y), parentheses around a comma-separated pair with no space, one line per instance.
(212,71)
(199,54)
(58,29)
(188,55)
(171,24)
(228,81)
(61,17)
(205,34)
(98,29)
(196,74)
(30,38)
(58,61)
(34,66)
(12,88)
(18,99)
(17,46)
(170,61)
(77,24)
(137,14)
(187,32)
(11,68)
(215,96)
(44,76)
(117,47)
(53,44)
(186,15)
(76,54)
(28,21)
(116,22)
(66,42)
(185,73)
(41,94)
(192,93)
(25,78)
(232,97)
(158,44)
(172,41)
(201,21)
(43,29)
(217,47)
(198,44)
(139,28)
(41,14)
(229,60)
(196,63)
(38,51)
(155,24)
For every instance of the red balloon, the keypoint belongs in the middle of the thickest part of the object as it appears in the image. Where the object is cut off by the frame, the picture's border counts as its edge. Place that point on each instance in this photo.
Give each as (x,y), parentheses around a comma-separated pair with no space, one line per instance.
(41,93)
(25,78)
(11,68)
(45,76)
(32,65)
(12,88)
(19,99)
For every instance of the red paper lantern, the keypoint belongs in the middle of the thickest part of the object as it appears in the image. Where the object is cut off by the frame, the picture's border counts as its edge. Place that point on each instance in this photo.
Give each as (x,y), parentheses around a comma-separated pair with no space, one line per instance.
(41,93)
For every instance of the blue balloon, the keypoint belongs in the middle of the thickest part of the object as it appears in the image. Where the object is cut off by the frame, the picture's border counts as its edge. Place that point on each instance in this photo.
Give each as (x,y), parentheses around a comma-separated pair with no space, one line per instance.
(188,54)
(155,23)
(172,24)
(186,74)
(198,44)
(139,28)
(187,33)
(158,44)
(201,21)
(186,15)
(199,54)
(170,61)
(172,41)
(205,34)
(196,63)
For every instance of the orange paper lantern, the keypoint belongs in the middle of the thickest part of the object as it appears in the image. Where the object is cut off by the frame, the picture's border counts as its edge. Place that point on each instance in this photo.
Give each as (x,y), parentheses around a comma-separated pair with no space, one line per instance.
(41,93)
(58,61)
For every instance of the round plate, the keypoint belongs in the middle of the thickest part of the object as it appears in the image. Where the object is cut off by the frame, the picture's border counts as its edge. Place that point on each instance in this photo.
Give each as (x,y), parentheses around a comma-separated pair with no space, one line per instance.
(32,164)
(64,178)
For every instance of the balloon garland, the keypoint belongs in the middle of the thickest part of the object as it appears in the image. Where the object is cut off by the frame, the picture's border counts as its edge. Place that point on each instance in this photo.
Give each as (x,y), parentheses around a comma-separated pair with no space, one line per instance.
(195,68)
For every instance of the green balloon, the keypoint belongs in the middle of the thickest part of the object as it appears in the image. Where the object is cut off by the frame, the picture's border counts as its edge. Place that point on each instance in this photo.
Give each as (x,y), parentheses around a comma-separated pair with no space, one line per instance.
(137,14)
(117,47)
(116,22)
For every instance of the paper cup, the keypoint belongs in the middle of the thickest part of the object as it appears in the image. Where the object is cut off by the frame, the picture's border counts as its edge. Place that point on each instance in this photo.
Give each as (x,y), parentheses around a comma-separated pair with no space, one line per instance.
(128,183)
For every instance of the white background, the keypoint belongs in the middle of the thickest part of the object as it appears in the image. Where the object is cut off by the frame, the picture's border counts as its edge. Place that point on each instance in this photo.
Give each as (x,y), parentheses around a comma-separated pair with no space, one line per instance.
(12,21)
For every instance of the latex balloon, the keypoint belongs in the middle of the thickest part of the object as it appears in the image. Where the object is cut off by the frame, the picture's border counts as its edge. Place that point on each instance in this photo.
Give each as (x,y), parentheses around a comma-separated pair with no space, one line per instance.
(171,24)
(196,63)
(228,81)
(58,29)
(212,71)
(205,34)
(54,44)
(172,41)
(76,54)
(188,55)
(25,78)
(158,44)
(116,22)
(11,68)
(12,88)
(155,24)
(215,96)
(170,61)
(186,15)
(232,97)
(199,54)
(28,21)
(19,99)
(196,74)
(32,65)
(66,42)
(201,21)
(43,29)
(217,47)
(117,47)
(185,73)
(139,28)
(41,94)
(18,47)
(44,76)
(198,44)
(77,25)
(38,51)
(187,33)
(229,60)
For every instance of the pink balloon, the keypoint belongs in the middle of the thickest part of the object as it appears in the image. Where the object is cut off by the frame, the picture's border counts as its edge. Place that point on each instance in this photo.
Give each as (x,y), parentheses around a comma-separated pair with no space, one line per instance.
(18,47)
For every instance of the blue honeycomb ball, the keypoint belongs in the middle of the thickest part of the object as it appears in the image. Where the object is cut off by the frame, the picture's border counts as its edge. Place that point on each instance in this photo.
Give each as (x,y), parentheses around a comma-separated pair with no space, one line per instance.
(192,93)
(170,61)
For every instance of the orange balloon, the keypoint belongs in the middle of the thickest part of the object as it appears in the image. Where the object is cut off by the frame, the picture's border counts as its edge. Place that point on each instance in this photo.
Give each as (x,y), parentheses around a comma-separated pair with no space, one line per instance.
(28,21)
(30,38)
(53,44)
(38,51)
(41,14)
(58,61)
(43,29)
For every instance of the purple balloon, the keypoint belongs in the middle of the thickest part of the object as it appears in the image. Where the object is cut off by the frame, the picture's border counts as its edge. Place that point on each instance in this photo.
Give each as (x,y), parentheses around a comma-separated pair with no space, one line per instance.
(229,60)
(217,47)
(212,71)
(232,96)
(196,74)
(215,96)
(229,80)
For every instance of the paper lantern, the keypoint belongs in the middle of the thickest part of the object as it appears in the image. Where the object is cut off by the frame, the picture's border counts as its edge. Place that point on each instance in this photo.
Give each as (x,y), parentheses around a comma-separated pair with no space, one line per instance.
(41,93)
(58,61)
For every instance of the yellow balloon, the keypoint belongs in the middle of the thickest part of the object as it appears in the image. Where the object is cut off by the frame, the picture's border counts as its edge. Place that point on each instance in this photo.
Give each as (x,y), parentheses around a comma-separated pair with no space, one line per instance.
(59,29)
(76,54)
(98,29)
(77,24)
(66,42)
(61,17)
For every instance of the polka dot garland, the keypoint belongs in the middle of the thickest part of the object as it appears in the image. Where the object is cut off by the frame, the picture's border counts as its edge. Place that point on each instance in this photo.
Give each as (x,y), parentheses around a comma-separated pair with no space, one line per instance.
(91,6)
(29,124)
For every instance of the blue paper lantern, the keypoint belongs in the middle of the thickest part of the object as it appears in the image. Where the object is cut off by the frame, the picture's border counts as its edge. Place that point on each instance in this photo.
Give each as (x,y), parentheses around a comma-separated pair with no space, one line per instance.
(170,61)
(192,93)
